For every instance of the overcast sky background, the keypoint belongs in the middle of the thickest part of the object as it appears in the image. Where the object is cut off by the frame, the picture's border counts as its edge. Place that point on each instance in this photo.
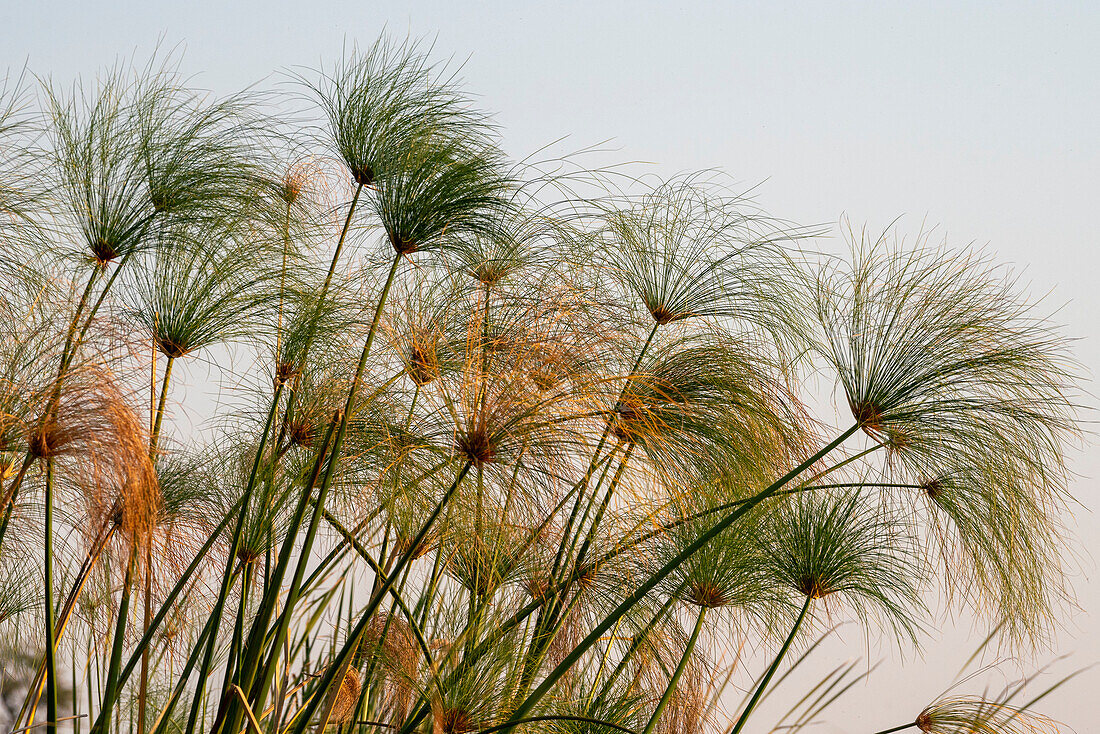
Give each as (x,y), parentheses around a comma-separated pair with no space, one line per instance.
(982,122)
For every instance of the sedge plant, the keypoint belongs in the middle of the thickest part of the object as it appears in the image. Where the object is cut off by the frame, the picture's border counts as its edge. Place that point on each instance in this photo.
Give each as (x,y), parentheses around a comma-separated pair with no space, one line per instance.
(497,447)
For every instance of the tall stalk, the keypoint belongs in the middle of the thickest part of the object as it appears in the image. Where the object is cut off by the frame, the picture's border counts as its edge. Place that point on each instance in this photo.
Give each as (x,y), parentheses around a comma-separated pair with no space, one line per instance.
(12,494)
(544,632)
(599,447)
(163,719)
(899,727)
(161,401)
(154,435)
(112,679)
(254,649)
(339,664)
(340,243)
(174,594)
(311,334)
(548,614)
(650,583)
(741,721)
(228,574)
(581,553)
(374,326)
(258,695)
(39,684)
(147,614)
(51,642)
(635,645)
(675,679)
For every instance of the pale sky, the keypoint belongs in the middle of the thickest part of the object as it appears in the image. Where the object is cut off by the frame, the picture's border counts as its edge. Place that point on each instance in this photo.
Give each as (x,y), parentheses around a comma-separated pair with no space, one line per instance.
(983,122)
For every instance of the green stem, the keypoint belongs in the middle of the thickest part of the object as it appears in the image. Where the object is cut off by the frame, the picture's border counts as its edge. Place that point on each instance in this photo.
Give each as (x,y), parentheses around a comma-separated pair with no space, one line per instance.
(253,650)
(551,621)
(377,316)
(653,581)
(63,619)
(13,494)
(845,462)
(294,591)
(635,645)
(398,598)
(548,618)
(51,642)
(599,447)
(233,662)
(66,352)
(603,665)
(424,604)
(230,563)
(603,506)
(772,668)
(67,360)
(320,304)
(155,436)
(397,594)
(667,695)
(340,550)
(259,694)
(164,718)
(339,664)
(143,685)
(340,242)
(361,367)
(547,614)
(900,727)
(112,684)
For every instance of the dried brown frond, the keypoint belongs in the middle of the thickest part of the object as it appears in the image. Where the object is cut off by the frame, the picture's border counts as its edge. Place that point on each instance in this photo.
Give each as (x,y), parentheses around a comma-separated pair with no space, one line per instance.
(403,543)
(477,446)
(640,415)
(423,360)
(306,179)
(99,444)
(932,487)
(392,638)
(867,415)
(391,646)
(301,430)
(344,698)
(169,348)
(536,586)
(403,244)
(364,175)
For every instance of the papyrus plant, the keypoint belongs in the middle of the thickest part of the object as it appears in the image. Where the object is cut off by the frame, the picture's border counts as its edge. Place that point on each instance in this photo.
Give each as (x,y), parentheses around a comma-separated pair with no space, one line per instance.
(481,460)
